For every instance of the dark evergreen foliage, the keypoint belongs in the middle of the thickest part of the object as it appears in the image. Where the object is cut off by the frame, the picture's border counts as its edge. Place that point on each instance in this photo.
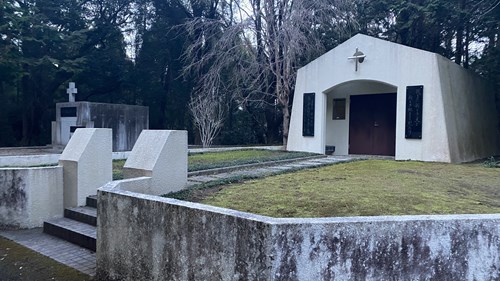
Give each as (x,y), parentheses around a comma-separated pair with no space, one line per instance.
(130,51)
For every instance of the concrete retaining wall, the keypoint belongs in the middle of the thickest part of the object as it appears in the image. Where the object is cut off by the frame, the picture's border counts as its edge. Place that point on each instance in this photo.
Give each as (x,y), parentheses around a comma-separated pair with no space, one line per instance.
(28,196)
(143,237)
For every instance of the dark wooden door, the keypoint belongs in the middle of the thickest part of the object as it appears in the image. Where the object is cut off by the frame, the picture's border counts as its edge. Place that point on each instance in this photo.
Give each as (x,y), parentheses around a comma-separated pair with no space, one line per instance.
(372,125)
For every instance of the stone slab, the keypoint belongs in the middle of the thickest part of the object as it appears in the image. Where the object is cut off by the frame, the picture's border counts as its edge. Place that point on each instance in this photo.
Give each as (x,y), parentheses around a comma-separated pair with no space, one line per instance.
(202,179)
(162,156)
(87,164)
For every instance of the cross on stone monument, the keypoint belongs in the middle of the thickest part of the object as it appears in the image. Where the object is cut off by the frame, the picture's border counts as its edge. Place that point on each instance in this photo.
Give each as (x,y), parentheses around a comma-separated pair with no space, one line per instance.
(71,91)
(358,57)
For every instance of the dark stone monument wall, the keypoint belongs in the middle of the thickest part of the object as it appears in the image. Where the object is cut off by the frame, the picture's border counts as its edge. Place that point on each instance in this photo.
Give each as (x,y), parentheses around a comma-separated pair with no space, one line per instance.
(127,121)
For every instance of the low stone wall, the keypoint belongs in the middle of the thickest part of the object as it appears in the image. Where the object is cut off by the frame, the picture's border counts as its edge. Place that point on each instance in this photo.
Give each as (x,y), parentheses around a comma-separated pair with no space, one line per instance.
(28,196)
(143,237)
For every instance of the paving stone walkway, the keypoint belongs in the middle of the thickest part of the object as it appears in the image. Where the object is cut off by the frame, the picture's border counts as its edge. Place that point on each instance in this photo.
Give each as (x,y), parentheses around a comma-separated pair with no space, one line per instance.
(85,260)
(273,169)
(57,249)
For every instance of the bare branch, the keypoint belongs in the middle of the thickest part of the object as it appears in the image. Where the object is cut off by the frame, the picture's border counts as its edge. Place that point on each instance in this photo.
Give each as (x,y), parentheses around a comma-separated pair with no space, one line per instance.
(261,49)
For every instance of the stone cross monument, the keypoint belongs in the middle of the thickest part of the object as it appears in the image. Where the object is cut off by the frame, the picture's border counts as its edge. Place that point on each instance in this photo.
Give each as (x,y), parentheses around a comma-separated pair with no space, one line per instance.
(72,91)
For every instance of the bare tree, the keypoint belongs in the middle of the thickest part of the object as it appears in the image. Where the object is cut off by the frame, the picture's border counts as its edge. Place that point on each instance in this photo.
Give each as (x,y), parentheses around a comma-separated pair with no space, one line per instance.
(209,111)
(261,45)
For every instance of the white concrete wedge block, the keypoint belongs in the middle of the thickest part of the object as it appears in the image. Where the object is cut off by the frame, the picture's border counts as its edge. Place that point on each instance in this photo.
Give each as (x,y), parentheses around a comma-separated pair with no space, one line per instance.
(161,155)
(87,164)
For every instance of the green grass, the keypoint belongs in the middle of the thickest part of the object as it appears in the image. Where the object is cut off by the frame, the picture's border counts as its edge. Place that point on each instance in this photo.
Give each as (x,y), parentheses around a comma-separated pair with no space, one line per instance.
(367,188)
(212,160)
(118,169)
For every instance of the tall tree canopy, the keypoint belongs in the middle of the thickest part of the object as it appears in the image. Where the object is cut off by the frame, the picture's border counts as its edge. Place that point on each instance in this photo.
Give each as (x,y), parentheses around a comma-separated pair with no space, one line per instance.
(241,56)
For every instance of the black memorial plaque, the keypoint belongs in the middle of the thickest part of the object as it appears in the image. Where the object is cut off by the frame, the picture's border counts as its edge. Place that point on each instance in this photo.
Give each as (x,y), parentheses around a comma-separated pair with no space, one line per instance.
(72,129)
(68,111)
(414,102)
(308,115)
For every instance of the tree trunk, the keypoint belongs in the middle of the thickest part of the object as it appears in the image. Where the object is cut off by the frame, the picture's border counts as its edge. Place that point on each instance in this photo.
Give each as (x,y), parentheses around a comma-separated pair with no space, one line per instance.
(460,34)
(459,48)
(163,98)
(466,45)
(28,112)
(286,123)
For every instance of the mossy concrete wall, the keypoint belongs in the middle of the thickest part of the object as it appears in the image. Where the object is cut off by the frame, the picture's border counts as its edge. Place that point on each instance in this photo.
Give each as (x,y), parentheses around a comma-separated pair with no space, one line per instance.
(29,196)
(143,237)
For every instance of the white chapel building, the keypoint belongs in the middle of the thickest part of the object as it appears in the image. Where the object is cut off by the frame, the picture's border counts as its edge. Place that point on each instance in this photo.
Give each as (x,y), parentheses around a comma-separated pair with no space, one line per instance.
(372,97)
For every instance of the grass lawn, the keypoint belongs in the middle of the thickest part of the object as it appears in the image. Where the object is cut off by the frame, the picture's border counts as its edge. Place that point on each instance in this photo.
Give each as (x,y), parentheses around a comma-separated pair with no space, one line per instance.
(368,188)
(212,160)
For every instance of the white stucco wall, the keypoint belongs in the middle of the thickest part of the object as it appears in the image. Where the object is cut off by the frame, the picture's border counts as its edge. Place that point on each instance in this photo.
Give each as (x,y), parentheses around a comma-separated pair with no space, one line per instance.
(29,196)
(333,76)
(470,113)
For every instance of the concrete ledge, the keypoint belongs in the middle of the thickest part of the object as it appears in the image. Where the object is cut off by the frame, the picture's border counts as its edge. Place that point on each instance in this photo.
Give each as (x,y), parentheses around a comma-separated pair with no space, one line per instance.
(44,159)
(193,241)
(121,155)
(29,196)
(29,160)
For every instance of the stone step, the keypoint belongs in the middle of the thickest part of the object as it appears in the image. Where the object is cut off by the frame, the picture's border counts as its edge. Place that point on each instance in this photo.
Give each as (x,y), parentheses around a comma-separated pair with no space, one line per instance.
(84,214)
(72,231)
(92,201)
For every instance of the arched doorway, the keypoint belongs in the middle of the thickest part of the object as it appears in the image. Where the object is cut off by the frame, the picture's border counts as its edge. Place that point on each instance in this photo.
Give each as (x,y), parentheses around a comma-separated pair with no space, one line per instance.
(368,125)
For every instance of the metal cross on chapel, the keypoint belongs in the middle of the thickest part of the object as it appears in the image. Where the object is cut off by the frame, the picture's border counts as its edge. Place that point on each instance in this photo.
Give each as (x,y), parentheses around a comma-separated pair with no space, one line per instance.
(358,57)
(71,91)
